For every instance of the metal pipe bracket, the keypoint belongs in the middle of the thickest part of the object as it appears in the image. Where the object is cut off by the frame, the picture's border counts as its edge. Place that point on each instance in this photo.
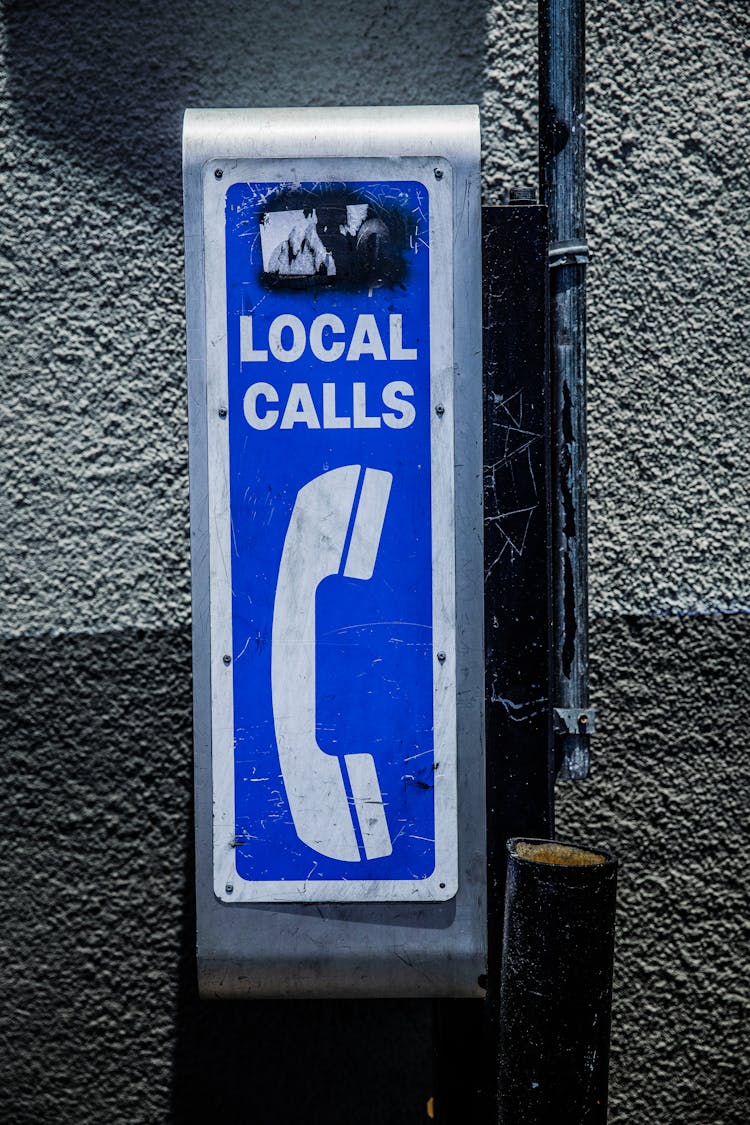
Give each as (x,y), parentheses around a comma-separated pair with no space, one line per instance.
(574,720)
(568,252)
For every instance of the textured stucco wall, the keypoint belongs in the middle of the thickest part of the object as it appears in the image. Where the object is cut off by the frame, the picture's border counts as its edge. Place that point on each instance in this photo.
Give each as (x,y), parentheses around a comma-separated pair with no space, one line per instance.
(669,186)
(100,1020)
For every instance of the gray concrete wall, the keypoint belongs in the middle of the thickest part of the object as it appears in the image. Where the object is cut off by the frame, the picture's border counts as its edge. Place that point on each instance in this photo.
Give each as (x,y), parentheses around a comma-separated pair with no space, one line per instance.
(100,1020)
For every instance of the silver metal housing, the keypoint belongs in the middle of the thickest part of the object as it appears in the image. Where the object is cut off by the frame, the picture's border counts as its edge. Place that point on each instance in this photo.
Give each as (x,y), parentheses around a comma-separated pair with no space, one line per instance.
(348,949)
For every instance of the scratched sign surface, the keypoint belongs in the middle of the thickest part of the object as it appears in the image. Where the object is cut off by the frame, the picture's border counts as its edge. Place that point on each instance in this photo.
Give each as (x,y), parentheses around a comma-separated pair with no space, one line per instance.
(329,417)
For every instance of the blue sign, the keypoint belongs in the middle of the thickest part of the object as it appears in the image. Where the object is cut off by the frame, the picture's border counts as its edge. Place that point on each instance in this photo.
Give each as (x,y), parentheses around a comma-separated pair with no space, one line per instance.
(329,450)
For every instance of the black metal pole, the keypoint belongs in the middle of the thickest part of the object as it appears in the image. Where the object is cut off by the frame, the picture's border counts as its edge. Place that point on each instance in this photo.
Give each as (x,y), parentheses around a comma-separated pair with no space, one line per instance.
(556,983)
(562,169)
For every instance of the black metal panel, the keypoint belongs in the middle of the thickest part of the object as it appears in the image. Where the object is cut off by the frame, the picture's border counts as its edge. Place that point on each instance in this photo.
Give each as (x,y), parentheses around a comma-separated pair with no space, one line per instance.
(517,540)
(517,621)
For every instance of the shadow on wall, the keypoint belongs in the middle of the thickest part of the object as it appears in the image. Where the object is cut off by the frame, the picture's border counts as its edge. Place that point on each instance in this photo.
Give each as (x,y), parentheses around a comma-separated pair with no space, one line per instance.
(99,928)
(669,795)
(99,727)
(106,83)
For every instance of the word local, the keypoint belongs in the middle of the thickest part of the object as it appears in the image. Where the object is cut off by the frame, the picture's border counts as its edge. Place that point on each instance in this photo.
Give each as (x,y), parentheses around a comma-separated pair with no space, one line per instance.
(288,340)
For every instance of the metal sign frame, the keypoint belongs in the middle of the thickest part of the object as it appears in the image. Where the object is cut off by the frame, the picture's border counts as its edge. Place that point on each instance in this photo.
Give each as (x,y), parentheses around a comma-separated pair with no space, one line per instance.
(333,945)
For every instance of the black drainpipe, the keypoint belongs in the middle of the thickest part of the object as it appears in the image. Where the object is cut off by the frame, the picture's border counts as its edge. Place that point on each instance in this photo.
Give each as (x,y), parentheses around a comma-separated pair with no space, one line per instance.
(562,151)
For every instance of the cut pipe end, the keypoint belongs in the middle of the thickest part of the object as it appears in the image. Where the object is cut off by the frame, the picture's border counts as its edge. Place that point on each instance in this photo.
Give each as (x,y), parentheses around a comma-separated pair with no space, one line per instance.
(562,855)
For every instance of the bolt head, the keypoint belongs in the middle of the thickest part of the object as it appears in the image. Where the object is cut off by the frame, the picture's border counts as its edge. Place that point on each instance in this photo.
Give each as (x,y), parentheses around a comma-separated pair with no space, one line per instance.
(438,173)
(227,658)
(440,409)
(441,657)
(218,173)
(229,889)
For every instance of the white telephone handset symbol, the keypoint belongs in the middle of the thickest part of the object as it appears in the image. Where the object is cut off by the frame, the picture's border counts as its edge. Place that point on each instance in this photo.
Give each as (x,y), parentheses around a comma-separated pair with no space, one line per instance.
(313,550)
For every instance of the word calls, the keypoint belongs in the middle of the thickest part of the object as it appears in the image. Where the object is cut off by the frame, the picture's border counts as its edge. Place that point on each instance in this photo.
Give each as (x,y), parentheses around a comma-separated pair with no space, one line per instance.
(327,341)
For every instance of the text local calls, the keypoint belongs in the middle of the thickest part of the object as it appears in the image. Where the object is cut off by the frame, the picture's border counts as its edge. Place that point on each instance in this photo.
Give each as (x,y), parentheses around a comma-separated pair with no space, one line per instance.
(327,340)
